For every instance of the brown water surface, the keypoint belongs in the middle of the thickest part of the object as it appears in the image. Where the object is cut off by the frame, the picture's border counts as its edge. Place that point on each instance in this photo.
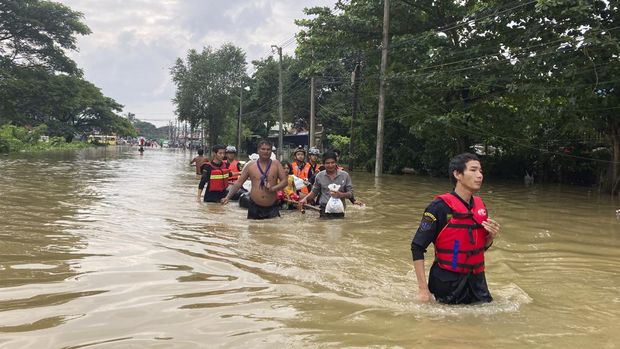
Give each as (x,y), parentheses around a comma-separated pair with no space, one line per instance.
(110,249)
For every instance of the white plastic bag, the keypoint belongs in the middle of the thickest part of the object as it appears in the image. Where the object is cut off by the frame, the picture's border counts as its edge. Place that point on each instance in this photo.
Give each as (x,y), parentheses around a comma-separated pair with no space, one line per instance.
(247,185)
(299,183)
(334,205)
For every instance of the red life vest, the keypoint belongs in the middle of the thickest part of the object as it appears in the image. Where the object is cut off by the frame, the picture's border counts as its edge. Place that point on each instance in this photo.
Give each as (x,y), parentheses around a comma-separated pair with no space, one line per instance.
(218,181)
(234,167)
(460,244)
(303,173)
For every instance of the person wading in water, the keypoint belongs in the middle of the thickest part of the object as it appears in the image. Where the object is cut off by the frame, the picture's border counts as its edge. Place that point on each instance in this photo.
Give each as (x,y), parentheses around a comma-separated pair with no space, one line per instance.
(264,174)
(331,175)
(457,224)
(199,161)
(215,174)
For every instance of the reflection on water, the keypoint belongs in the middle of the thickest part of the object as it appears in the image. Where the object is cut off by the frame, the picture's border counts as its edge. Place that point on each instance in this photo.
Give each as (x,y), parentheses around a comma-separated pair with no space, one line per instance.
(107,248)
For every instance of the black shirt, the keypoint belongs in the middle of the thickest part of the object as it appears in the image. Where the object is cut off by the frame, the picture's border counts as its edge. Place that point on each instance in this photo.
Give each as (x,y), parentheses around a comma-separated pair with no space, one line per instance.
(446,285)
(211,196)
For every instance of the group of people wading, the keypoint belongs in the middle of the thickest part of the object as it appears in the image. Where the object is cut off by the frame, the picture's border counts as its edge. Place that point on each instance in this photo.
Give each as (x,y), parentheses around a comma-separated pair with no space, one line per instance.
(273,184)
(456,223)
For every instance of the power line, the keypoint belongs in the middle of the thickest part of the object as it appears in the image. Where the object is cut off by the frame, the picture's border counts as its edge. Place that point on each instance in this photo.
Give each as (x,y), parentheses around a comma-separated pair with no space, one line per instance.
(455,25)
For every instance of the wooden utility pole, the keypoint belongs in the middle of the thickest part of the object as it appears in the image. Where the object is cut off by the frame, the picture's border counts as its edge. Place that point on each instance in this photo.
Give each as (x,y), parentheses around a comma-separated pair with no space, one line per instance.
(311,141)
(355,79)
(280,106)
(381,116)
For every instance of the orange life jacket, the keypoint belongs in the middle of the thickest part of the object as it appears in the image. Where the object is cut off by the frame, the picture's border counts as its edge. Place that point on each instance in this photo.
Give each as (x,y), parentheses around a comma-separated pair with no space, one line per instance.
(303,173)
(460,244)
(234,167)
(218,181)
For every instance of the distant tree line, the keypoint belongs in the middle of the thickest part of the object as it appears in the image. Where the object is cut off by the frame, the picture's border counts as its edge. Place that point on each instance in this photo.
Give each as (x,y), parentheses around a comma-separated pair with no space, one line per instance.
(532,85)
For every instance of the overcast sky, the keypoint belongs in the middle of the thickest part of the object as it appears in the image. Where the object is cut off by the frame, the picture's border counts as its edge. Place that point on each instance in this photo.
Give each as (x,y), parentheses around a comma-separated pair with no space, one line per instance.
(135,42)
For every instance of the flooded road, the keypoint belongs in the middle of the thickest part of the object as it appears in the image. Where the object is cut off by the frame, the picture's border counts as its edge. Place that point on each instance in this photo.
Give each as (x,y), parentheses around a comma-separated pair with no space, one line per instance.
(109,249)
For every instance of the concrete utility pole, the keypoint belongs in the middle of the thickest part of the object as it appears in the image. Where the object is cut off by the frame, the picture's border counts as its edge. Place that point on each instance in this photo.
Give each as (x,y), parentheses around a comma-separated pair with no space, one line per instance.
(311,142)
(239,121)
(280,107)
(381,116)
(354,79)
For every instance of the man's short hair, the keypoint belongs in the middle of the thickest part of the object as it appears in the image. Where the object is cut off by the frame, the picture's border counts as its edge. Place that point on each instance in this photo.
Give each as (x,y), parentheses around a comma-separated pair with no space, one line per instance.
(459,163)
(264,142)
(201,152)
(329,155)
(217,148)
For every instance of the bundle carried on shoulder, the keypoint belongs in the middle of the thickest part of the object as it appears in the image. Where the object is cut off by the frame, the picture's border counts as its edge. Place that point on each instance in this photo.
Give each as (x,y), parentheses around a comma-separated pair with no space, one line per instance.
(334,205)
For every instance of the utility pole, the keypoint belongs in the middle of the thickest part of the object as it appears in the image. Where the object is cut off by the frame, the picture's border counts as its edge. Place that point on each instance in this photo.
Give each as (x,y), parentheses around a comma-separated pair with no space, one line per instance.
(280,107)
(354,80)
(203,138)
(381,116)
(311,141)
(239,121)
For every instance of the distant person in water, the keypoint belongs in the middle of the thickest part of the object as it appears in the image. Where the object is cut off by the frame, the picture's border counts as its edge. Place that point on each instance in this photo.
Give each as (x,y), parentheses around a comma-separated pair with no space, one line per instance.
(457,224)
(264,174)
(215,175)
(199,161)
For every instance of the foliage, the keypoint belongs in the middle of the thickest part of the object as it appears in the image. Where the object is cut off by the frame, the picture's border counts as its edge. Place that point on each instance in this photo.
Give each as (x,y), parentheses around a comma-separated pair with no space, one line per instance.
(208,84)
(14,138)
(39,83)
(341,143)
(35,33)
(67,103)
(534,83)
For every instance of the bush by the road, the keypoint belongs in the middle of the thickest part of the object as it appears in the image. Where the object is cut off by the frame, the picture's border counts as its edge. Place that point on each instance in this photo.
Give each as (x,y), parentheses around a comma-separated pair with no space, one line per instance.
(14,138)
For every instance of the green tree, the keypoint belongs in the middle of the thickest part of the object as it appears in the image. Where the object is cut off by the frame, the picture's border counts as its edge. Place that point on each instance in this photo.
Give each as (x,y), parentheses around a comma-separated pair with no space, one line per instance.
(35,33)
(39,83)
(66,103)
(208,86)
(531,82)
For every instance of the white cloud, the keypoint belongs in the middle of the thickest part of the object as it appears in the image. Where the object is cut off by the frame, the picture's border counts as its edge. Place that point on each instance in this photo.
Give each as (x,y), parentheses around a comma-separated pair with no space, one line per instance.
(135,42)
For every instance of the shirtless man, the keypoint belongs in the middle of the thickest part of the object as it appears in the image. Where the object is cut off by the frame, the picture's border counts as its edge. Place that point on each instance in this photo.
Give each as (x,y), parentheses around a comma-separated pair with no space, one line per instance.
(264,174)
(199,161)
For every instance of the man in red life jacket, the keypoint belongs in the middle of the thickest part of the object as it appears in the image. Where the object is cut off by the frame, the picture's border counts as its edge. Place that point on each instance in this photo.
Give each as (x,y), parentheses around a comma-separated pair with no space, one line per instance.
(457,224)
(233,163)
(215,175)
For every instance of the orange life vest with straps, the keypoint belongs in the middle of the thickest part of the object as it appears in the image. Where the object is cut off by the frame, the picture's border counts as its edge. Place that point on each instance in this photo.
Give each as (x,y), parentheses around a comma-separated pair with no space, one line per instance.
(460,244)
(303,173)
(218,181)
(233,167)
